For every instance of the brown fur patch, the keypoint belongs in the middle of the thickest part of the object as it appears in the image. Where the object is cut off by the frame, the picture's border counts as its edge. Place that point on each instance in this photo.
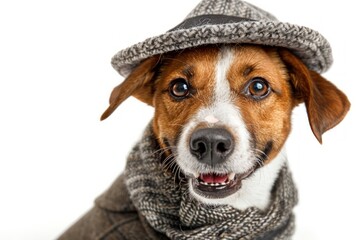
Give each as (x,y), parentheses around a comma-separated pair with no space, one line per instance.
(268,120)
(197,67)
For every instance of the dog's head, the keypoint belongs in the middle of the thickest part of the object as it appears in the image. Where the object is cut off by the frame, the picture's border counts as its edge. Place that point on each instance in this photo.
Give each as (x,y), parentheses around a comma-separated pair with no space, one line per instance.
(223,112)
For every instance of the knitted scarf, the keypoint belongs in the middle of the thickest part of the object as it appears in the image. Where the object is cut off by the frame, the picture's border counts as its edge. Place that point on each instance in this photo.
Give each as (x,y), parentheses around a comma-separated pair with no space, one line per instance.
(169,209)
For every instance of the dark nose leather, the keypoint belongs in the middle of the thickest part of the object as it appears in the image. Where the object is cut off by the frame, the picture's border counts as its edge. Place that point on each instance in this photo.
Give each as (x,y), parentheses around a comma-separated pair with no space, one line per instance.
(211,145)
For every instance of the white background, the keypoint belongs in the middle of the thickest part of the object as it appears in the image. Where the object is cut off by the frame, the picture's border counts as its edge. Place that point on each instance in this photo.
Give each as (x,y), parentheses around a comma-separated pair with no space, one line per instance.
(56,156)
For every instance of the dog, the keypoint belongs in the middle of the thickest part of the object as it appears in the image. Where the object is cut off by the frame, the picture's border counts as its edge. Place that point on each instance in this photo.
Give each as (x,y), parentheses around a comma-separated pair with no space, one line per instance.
(212,164)
(223,113)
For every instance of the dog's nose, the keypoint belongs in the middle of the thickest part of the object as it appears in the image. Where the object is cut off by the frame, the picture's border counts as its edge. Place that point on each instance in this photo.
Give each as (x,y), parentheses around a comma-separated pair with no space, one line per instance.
(211,145)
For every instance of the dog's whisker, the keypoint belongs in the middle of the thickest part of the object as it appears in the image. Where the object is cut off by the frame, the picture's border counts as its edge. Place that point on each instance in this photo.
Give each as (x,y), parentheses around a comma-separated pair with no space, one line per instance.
(168,162)
(161,151)
(263,156)
(259,164)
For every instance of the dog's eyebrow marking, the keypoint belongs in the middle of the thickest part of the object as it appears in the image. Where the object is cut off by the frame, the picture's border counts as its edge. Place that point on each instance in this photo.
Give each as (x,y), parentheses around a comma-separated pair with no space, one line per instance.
(188,72)
(248,70)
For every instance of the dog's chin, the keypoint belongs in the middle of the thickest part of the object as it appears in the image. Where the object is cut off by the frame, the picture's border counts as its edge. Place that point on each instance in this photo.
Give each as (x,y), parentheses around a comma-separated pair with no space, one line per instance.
(218,185)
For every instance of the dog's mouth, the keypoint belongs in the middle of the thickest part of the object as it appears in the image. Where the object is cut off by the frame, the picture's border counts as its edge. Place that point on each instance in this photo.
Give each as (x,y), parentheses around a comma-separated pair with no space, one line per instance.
(218,185)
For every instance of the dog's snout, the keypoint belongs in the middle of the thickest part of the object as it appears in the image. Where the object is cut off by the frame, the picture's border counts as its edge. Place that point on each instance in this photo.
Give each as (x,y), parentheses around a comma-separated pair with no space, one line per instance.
(211,145)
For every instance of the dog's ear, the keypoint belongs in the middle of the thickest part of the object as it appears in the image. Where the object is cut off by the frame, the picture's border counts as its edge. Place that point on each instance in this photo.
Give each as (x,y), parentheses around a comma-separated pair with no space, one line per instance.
(138,84)
(326,105)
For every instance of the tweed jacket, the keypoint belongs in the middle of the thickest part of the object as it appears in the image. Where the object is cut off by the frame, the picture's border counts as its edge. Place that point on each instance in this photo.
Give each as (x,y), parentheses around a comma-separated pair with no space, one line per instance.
(112,217)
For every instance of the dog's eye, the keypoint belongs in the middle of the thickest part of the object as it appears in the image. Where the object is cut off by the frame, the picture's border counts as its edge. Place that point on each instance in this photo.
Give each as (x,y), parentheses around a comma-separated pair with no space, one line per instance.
(258,88)
(179,88)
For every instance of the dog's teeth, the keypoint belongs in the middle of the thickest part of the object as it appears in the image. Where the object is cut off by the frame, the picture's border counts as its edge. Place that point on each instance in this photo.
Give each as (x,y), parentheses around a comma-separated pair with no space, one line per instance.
(197,175)
(214,184)
(231,176)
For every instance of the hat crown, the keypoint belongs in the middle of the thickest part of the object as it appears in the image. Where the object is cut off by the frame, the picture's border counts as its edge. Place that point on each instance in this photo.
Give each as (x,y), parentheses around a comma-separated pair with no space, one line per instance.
(236,8)
(229,22)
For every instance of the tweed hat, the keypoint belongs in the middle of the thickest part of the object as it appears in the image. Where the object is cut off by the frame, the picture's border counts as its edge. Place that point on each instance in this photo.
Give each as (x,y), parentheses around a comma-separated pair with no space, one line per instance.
(230,21)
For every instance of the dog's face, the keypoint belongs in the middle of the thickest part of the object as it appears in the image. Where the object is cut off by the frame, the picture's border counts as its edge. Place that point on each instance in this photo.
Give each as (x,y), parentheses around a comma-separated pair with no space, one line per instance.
(223,114)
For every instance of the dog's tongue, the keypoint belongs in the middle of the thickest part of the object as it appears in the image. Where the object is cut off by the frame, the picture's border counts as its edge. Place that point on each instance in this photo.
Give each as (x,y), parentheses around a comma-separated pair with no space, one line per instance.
(214,178)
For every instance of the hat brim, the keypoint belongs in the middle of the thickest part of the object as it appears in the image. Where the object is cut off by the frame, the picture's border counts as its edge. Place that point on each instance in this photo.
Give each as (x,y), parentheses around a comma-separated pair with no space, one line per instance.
(309,45)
